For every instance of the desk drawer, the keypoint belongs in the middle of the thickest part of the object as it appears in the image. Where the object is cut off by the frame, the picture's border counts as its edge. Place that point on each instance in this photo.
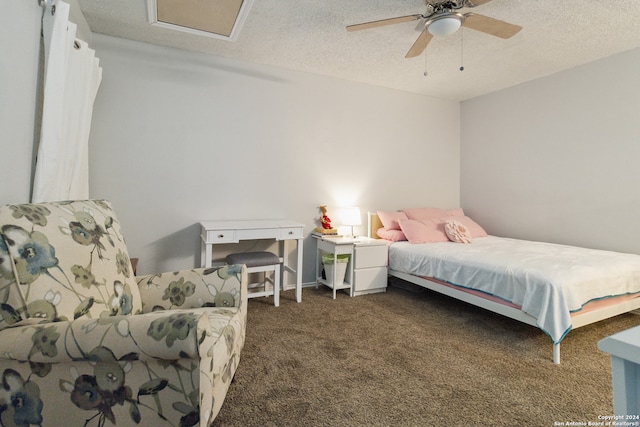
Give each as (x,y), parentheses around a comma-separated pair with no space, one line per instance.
(257,233)
(291,233)
(221,236)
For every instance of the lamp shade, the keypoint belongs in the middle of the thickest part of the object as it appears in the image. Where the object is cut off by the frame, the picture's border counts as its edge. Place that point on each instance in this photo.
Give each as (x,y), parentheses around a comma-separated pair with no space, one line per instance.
(445,26)
(350,216)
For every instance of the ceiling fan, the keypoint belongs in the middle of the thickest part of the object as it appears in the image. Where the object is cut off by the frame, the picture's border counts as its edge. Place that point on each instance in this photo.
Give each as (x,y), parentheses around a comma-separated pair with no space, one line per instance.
(442,19)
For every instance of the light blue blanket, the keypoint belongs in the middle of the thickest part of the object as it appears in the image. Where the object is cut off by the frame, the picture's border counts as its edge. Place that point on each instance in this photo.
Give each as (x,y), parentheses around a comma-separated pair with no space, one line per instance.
(549,281)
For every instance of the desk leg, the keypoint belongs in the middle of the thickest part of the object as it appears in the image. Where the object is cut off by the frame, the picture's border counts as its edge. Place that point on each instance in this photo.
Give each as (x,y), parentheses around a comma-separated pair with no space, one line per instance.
(206,255)
(299,271)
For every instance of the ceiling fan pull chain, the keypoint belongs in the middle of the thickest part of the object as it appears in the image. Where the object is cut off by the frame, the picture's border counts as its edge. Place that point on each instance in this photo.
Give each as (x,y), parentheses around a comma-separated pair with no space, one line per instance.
(425,63)
(461,49)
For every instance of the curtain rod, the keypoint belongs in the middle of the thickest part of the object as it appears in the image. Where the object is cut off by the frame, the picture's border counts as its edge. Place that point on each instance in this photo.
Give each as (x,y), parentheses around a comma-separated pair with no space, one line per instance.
(48,3)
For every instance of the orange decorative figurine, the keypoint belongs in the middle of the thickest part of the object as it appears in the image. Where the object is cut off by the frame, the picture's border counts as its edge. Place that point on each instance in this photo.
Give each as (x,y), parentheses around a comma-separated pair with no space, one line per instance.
(325,223)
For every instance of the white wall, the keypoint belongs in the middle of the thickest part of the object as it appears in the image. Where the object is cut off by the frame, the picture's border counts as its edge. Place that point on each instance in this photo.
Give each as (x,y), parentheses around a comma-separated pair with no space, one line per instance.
(20,47)
(557,159)
(180,137)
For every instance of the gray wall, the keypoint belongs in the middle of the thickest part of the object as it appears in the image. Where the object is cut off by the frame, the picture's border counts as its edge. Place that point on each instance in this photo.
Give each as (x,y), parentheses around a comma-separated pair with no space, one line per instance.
(180,137)
(20,47)
(557,158)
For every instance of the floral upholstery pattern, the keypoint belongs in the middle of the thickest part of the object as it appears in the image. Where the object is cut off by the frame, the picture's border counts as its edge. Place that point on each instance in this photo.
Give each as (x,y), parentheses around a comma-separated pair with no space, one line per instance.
(85,343)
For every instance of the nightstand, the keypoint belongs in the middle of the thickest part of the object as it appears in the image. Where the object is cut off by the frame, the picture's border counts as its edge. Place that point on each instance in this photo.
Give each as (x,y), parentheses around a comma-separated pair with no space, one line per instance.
(366,270)
(370,258)
(334,246)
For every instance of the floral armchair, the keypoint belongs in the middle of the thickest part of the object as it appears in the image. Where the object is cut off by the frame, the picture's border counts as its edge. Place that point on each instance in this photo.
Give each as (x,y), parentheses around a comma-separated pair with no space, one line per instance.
(85,343)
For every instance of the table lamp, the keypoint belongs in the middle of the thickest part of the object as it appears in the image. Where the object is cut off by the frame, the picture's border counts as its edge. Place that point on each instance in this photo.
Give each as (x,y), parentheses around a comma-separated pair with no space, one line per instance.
(351,217)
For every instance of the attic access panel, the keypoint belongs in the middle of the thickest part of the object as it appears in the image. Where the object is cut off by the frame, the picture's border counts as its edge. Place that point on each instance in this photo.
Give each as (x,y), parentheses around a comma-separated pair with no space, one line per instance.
(221,19)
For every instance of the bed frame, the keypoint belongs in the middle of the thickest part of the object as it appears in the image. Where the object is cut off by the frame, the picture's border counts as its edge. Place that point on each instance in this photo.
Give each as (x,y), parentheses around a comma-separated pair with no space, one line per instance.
(578,320)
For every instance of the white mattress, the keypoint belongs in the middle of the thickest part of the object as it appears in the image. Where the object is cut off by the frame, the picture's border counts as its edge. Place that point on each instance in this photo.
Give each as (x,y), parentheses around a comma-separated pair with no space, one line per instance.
(549,281)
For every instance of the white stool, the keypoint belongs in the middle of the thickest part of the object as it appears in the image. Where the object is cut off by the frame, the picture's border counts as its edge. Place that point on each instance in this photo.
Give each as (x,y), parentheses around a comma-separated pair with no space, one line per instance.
(260,262)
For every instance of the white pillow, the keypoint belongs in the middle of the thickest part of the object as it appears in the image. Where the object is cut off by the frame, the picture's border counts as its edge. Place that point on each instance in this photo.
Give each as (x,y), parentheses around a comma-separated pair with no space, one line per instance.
(457,232)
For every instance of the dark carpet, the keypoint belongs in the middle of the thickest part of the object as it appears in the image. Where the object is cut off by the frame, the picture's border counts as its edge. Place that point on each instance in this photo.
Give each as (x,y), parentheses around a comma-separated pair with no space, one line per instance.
(411,357)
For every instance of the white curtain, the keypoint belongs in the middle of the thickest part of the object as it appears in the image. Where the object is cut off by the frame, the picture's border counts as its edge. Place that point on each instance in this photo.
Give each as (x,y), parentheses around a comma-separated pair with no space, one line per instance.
(71,80)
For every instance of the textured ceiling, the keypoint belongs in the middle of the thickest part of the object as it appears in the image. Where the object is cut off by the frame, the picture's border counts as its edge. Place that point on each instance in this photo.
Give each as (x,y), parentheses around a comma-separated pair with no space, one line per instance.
(310,36)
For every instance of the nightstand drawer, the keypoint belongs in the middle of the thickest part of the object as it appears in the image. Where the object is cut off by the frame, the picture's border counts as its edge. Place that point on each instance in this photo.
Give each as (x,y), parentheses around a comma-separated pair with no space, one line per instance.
(370,278)
(371,256)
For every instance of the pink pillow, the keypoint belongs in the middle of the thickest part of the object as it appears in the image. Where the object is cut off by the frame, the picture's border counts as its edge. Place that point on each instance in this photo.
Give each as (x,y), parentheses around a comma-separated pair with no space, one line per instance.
(424,231)
(424,213)
(392,235)
(457,232)
(474,228)
(390,219)
(454,212)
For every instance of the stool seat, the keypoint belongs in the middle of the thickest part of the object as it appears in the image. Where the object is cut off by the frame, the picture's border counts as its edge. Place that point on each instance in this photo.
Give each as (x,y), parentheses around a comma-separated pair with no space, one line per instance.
(260,262)
(253,259)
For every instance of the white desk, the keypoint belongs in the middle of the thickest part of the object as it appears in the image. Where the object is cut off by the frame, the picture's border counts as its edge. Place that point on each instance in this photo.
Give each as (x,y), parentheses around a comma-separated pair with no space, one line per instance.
(624,348)
(281,230)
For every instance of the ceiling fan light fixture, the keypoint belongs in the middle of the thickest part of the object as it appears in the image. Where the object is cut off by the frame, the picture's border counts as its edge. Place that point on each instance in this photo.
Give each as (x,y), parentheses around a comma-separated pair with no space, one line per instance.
(445,25)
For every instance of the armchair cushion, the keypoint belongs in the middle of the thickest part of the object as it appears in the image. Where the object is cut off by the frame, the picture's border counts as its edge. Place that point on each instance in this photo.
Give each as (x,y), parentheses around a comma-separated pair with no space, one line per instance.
(62,261)
(200,287)
(168,335)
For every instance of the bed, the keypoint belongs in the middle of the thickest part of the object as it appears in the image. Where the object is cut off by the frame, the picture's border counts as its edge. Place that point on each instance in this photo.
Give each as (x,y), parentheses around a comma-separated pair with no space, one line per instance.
(556,288)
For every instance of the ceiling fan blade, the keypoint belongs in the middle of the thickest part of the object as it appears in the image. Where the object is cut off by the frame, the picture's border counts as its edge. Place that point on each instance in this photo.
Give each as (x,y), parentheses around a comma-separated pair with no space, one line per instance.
(491,26)
(382,22)
(420,44)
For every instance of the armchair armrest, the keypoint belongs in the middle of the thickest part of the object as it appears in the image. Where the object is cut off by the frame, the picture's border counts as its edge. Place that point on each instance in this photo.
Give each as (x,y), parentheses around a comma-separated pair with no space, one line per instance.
(180,333)
(224,286)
